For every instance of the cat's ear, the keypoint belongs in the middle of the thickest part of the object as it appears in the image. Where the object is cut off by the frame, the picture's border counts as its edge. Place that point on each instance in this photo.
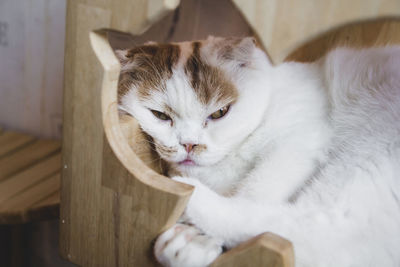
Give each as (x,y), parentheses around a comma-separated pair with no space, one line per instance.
(238,50)
(125,60)
(244,50)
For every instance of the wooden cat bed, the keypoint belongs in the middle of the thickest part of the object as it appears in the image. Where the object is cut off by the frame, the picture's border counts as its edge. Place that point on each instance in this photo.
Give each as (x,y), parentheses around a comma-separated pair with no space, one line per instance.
(29,178)
(114,201)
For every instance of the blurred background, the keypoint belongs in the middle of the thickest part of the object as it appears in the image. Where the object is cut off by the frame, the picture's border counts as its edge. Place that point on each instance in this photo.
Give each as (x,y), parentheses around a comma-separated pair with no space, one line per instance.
(31,65)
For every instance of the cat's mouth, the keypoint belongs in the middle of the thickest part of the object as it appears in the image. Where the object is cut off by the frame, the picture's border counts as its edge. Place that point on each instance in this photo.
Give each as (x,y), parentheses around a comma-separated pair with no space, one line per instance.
(187,162)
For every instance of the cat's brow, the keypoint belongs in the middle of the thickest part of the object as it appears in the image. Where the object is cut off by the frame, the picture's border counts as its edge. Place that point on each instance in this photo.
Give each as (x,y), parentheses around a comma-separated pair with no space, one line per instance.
(152,66)
(170,111)
(208,82)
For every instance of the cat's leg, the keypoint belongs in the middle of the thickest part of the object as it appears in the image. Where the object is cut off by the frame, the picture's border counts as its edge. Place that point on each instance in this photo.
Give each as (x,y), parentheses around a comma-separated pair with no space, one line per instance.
(184,245)
(324,233)
(233,220)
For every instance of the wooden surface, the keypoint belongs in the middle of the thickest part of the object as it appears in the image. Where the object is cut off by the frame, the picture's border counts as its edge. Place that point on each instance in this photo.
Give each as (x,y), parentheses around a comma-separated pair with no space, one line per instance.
(267,249)
(29,178)
(285,25)
(111,208)
(379,32)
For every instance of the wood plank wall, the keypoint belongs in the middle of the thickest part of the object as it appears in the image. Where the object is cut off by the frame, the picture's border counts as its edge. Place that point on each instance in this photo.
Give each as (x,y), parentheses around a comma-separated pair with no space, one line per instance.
(31,65)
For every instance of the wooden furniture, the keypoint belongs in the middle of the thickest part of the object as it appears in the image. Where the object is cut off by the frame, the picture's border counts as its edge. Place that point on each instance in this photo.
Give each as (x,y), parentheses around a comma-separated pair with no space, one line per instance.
(114,202)
(29,178)
(285,26)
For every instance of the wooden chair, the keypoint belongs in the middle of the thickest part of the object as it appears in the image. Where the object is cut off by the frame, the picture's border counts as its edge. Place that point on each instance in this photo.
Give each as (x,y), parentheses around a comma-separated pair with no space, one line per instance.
(114,201)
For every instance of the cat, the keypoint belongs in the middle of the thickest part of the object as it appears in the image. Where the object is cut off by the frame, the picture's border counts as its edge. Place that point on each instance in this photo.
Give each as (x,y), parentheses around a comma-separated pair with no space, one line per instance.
(309,151)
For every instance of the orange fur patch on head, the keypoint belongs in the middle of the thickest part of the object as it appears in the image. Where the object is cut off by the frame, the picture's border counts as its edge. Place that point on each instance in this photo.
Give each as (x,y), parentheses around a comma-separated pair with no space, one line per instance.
(208,82)
(147,67)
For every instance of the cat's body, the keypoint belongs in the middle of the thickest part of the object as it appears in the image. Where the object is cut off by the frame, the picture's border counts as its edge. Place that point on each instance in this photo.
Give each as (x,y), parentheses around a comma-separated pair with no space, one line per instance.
(307,151)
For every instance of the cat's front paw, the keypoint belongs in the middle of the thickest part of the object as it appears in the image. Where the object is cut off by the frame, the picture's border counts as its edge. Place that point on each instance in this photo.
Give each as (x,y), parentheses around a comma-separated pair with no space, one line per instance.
(185,246)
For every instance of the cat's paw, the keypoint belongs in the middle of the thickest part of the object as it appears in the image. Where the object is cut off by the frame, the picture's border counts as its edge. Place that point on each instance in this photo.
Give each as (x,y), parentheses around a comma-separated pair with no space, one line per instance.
(185,246)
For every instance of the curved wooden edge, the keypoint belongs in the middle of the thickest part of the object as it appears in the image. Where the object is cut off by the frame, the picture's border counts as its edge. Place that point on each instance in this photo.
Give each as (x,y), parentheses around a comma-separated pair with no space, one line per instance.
(285,25)
(266,249)
(131,16)
(369,33)
(111,123)
(157,9)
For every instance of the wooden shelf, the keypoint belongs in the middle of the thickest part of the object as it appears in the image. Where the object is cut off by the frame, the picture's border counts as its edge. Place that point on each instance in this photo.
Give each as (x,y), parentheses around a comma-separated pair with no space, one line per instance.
(29,178)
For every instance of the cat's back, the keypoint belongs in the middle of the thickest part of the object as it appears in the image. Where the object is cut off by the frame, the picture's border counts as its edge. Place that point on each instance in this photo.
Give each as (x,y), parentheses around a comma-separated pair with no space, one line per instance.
(364,95)
(364,91)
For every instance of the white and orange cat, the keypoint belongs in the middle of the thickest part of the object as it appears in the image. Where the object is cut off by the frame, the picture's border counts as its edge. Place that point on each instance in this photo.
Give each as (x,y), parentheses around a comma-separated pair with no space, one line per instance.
(307,151)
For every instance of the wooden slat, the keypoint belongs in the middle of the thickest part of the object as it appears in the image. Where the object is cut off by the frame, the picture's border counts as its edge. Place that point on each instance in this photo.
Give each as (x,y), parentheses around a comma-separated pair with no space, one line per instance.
(19,205)
(27,156)
(25,179)
(52,199)
(10,141)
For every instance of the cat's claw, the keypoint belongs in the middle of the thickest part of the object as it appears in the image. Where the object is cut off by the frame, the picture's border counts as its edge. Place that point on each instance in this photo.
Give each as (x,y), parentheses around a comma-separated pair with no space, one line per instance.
(186,246)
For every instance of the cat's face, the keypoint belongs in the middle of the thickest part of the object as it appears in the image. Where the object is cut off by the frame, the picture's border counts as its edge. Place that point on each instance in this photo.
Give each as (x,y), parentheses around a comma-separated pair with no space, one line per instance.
(197,100)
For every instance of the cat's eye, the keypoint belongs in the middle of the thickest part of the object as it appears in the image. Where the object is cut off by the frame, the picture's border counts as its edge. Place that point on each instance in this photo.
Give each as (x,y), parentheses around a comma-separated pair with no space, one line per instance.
(160,115)
(219,113)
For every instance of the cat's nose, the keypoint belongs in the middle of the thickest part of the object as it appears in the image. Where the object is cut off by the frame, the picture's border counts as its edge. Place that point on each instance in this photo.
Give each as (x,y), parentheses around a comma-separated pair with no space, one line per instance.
(189,147)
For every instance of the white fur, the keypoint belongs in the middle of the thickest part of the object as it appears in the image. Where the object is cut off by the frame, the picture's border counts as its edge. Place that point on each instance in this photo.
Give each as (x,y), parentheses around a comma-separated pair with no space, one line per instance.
(309,151)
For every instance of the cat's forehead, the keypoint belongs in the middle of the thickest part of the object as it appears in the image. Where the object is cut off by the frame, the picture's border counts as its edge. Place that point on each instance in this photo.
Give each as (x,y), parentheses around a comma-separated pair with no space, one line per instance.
(151,66)
(208,81)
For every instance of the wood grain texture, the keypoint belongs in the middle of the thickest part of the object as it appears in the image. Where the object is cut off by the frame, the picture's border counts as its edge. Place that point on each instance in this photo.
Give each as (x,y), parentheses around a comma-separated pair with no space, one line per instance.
(27,156)
(139,143)
(30,174)
(378,32)
(21,181)
(10,141)
(15,208)
(263,250)
(284,25)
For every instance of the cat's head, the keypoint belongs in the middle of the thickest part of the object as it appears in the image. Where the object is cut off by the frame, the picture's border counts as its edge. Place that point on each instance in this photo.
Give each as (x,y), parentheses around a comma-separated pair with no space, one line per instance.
(197,100)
